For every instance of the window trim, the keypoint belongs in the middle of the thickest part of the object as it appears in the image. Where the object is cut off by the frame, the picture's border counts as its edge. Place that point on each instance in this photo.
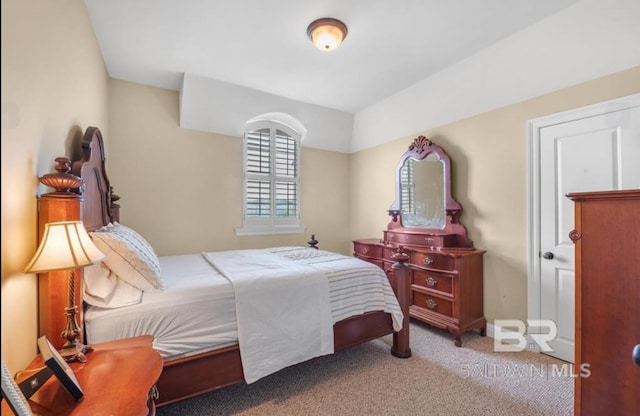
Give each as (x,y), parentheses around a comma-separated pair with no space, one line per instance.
(271,225)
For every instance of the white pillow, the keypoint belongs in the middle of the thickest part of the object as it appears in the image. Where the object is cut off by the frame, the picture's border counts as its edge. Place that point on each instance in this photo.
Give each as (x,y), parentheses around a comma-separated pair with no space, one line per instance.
(103,288)
(129,256)
(123,295)
(99,282)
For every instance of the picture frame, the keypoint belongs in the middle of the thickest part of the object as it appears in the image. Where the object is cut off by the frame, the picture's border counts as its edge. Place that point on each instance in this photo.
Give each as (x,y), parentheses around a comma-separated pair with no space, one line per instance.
(13,395)
(54,361)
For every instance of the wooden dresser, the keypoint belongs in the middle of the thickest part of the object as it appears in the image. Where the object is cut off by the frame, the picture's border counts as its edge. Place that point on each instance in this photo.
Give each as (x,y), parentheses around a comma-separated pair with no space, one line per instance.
(446,285)
(446,270)
(607,284)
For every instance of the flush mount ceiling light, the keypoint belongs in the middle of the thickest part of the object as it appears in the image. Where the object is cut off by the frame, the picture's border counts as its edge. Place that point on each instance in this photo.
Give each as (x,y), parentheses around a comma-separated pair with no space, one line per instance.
(327,33)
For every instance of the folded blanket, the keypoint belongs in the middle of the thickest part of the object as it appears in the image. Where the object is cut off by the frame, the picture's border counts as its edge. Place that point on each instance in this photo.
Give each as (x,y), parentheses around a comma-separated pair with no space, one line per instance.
(282,309)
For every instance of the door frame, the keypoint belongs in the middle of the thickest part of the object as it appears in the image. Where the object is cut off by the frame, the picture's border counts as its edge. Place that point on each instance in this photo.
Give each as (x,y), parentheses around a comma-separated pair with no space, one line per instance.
(534,126)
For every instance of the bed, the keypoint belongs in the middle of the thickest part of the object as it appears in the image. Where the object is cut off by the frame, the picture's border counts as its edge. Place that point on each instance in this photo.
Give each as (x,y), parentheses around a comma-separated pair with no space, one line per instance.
(199,343)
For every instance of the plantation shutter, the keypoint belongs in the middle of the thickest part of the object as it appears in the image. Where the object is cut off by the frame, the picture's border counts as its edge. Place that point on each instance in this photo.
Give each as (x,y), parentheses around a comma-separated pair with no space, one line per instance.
(272,181)
(407,181)
(286,162)
(258,170)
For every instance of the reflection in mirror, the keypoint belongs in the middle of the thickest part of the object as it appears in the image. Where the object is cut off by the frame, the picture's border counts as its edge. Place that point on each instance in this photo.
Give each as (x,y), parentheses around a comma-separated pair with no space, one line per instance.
(422,205)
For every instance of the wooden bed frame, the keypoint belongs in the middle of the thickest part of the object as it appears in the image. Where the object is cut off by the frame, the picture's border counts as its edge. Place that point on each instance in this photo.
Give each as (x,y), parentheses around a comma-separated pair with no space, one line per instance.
(187,377)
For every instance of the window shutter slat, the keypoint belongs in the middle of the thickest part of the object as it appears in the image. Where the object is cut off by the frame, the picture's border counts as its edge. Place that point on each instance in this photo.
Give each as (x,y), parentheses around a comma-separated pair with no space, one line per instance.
(259,152)
(286,199)
(286,162)
(258,198)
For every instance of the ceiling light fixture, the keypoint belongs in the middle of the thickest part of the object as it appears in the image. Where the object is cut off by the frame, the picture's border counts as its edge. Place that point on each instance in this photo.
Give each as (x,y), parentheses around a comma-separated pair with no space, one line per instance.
(327,33)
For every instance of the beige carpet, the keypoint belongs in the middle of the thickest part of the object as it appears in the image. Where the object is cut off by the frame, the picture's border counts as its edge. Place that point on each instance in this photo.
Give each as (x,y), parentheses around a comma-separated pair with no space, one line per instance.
(439,379)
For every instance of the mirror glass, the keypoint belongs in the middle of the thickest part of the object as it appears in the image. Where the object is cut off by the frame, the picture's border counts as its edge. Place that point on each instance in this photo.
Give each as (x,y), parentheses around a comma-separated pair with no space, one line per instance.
(422,192)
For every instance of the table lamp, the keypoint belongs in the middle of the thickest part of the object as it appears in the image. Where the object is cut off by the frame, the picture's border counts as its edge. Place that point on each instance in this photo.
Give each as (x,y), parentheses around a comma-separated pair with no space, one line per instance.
(66,245)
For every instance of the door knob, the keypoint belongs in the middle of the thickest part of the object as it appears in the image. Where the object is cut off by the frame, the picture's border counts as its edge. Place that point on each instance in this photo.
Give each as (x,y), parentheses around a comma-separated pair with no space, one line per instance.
(548,255)
(635,355)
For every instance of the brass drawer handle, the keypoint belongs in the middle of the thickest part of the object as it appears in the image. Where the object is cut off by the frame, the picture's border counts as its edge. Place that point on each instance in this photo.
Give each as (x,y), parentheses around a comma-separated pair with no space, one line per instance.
(431,281)
(429,240)
(427,260)
(432,304)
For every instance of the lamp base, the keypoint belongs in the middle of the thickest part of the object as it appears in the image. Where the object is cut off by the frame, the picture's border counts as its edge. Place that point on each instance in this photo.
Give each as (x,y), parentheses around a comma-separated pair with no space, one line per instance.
(75,352)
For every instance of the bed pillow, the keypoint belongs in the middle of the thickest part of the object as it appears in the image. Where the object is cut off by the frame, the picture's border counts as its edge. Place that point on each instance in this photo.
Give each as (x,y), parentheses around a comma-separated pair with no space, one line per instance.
(99,281)
(129,256)
(123,294)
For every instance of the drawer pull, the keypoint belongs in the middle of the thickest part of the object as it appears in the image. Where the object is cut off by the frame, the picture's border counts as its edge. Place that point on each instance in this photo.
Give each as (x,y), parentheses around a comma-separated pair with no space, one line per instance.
(432,304)
(431,281)
(429,240)
(427,260)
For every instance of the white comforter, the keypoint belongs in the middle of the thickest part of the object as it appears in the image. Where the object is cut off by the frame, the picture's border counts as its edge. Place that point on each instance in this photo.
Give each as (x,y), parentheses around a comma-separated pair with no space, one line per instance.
(282,309)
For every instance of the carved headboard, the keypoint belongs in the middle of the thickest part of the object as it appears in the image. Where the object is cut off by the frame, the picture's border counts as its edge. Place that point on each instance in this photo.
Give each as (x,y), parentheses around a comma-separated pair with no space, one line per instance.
(98,205)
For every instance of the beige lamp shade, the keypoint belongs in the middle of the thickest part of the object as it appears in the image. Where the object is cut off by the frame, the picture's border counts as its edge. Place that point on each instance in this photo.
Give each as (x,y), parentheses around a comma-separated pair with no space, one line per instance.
(65,245)
(327,33)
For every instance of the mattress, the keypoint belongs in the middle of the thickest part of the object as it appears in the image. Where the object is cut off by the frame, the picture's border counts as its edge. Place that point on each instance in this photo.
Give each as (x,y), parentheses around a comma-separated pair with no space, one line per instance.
(195,312)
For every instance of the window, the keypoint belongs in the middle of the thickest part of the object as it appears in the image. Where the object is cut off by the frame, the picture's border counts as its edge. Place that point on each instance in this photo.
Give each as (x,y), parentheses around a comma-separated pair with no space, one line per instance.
(407,186)
(271,179)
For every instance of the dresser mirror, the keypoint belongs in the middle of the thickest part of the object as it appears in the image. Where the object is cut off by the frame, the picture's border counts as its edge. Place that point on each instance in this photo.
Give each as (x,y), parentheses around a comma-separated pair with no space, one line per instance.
(422,192)
(424,203)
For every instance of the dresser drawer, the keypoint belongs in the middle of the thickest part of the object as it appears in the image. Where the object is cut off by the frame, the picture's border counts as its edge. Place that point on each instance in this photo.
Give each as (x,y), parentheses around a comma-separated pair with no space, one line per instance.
(369,250)
(433,281)
(444,240)
(432,260)
(433,303)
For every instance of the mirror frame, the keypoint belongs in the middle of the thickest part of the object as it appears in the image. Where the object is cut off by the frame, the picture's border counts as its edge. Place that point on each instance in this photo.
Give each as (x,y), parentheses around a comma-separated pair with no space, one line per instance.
(419,149)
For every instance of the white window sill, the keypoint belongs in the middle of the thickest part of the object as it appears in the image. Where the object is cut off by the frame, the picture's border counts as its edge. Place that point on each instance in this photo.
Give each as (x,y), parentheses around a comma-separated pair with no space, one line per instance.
(285,229)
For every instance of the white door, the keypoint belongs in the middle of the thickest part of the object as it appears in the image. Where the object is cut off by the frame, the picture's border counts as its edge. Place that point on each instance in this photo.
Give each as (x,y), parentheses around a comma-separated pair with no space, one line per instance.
(577,151)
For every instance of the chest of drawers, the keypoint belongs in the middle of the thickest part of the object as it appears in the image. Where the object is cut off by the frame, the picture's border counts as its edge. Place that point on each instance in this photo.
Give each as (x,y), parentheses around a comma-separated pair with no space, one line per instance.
(446,284)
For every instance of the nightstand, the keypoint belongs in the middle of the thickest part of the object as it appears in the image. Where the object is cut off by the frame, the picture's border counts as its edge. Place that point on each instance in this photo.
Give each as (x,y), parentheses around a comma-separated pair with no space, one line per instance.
(118,379)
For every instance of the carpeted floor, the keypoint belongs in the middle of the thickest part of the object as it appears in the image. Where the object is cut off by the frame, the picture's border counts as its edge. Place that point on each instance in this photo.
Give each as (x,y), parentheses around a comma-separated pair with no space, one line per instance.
(439,379)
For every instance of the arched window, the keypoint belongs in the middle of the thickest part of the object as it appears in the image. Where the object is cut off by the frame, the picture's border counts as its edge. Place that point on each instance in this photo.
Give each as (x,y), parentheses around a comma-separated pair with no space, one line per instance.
(271,178)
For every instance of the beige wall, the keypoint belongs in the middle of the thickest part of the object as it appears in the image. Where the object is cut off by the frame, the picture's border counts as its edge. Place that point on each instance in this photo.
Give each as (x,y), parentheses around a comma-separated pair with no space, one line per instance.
(182,189)
(489,158)
(54,85)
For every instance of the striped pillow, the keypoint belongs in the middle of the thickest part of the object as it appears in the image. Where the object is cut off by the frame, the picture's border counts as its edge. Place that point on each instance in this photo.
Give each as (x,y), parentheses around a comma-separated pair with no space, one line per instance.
(129,256)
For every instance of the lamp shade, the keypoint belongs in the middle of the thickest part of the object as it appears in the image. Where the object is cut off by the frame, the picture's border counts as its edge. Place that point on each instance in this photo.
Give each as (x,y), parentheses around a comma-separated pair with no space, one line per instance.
(327,33)
(65,245)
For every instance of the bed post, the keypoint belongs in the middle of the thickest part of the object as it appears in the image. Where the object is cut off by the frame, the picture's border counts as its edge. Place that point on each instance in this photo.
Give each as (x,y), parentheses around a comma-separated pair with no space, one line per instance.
(61,205)
(313,243)
(401,277)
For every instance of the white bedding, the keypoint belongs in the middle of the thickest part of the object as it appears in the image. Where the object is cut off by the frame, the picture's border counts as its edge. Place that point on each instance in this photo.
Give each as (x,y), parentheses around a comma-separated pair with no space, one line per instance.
(196,311)
(282,309)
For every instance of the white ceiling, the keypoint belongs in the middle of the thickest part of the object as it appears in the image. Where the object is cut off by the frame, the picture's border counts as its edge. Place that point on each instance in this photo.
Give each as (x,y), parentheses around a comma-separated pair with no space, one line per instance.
(263,44)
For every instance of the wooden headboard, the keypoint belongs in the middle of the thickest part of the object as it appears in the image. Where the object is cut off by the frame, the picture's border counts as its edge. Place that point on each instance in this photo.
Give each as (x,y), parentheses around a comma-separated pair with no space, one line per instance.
(98,201)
